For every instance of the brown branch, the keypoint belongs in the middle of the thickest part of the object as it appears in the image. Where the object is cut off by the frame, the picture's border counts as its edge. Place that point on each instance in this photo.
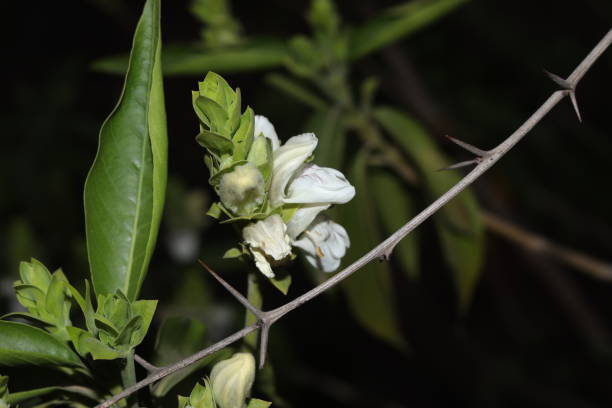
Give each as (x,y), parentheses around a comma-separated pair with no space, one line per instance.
(385,248)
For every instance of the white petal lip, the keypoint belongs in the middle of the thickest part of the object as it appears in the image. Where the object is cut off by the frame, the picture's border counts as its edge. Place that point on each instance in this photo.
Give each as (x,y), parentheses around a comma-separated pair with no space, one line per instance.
(262,263)
(269,235)
(265,127)
(303,217)
(324,243)
(287,159)
(314,184)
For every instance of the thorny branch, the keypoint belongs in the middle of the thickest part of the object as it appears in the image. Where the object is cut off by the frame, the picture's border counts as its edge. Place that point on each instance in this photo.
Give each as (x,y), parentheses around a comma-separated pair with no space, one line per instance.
(484,161)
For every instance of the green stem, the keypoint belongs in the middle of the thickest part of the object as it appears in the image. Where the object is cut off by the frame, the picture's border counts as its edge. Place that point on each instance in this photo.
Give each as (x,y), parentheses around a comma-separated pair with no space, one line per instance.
(254,297)
(128,377)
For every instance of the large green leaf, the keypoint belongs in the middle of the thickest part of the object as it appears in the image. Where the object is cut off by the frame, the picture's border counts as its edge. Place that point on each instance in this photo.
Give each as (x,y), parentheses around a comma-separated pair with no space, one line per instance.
(192,60)
(395,208)
(398,22)
(459,223)
(22,345)
(369,292)
(124,191)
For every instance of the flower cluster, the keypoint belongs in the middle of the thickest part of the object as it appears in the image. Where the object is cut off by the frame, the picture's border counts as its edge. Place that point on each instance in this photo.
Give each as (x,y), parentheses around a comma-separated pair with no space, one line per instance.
(273,189)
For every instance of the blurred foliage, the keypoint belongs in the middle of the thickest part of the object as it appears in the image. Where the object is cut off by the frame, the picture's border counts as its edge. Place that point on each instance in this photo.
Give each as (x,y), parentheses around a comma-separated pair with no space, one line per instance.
(535,333)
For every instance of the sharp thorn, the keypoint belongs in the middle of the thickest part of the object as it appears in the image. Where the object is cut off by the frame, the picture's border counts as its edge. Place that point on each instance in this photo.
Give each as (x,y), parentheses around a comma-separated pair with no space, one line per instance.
(461,164)
(263,345)
(233,291)
(563,83)
(467,146)
(572,95)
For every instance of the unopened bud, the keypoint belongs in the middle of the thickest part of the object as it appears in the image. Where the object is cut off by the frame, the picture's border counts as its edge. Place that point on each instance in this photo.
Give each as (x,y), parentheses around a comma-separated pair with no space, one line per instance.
(242,189)
(232,380)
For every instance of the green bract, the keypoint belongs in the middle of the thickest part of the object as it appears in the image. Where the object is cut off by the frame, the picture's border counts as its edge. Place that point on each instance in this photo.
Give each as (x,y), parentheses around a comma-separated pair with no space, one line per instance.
(120,325)
(46,296)
(239,168)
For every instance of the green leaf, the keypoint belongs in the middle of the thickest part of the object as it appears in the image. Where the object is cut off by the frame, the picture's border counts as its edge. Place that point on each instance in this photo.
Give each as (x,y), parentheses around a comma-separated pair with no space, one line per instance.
(233,253)
(395,208)
(281,281)
(243,138)
(146,310)
(331,133)
(85,344)
(398,22)
(22,345)
(257,403)
(125,188)
(21,396)
(295,90)
(178,338)
(215,143)
(369,292)
(192,60)
(459,223)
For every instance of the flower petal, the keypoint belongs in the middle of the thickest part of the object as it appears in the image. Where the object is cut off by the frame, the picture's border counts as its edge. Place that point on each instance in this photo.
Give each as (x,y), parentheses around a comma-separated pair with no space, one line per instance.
(303,217)
(287,159)
(314,184)
(324,244)
(269,235)
(262,263)
(263,126)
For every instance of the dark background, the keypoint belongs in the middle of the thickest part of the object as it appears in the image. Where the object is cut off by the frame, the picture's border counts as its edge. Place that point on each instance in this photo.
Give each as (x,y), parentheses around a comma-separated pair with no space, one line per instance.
(538,333)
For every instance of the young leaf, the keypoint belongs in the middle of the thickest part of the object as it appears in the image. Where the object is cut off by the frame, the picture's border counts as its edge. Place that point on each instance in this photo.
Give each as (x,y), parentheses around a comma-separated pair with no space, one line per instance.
(257,403)
(124,191)
(398,22)
(369,292)
(22,345)
(459,222)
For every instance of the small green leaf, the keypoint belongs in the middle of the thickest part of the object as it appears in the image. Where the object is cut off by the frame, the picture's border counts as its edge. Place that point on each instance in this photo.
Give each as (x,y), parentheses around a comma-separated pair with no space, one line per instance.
(243,138)
(22,345)
(369,292)
(17,397)
(85,344)
(257,403)
(397,22)
(459,222)
(125,188)
(146,310)
(215,115)
(395,208)
(215,211)
(218,145)
(124,338)
(232,253)
(56,303)
(281,281)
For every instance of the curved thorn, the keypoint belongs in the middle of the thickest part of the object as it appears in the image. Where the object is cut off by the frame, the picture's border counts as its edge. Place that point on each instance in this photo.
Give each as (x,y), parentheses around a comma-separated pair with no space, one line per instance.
(461,164)
(467,146)
(563,83)
(263,344)
(233,291)
(572,95)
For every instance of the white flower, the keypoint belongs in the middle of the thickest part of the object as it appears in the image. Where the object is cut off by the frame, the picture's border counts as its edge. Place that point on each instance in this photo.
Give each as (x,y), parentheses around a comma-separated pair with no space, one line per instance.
(324,243)
(264,127)
(318,188)
(242,189)
(231,380)
(268,241)
(287,160)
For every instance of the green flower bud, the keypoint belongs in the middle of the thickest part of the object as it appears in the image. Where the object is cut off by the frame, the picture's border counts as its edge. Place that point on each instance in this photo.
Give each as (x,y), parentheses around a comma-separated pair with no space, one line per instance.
(232,380)
(242,189)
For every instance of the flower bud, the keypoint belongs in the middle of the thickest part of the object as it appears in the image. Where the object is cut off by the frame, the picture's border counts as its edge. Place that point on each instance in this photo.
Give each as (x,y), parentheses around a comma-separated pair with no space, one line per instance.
(232,379)
(242,189)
